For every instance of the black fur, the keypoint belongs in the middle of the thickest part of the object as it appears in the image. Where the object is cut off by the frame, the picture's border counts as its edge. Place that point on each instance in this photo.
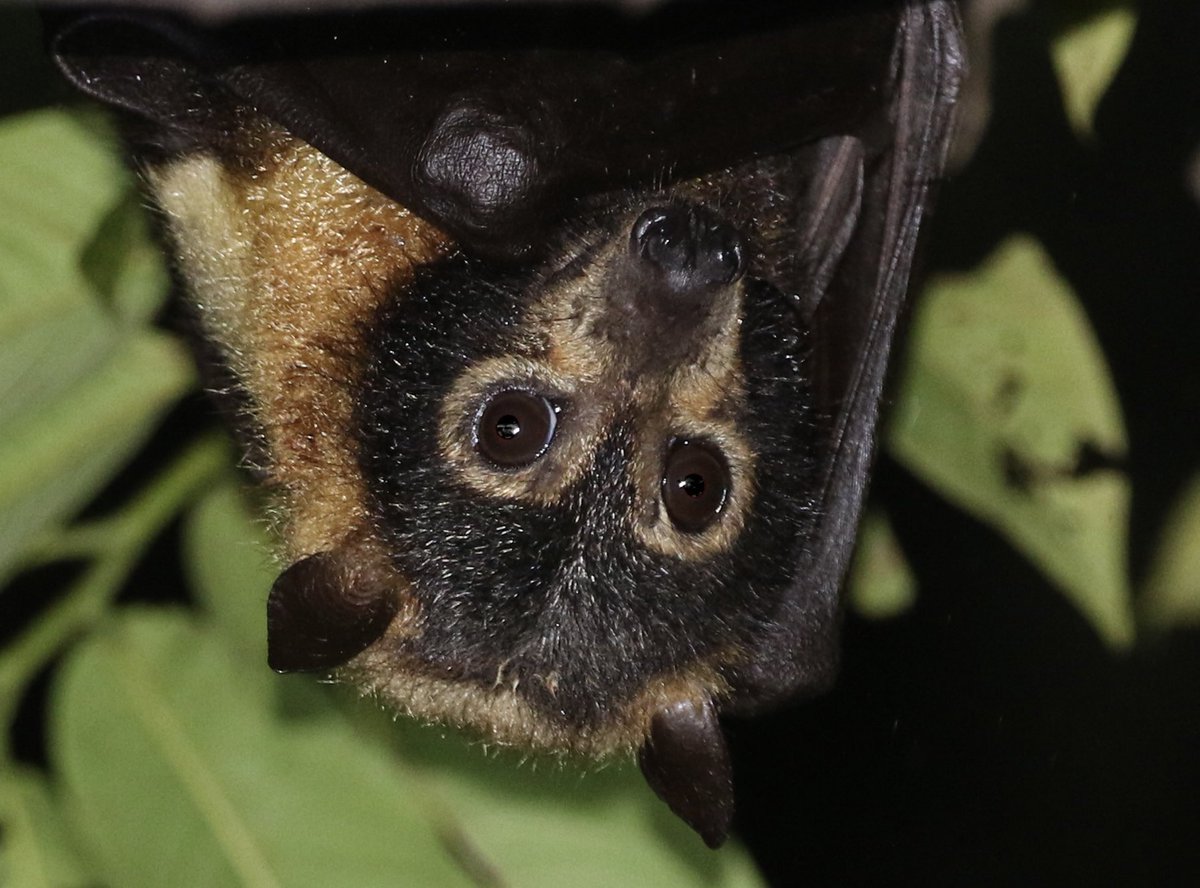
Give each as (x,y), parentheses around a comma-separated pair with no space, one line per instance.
(565,597)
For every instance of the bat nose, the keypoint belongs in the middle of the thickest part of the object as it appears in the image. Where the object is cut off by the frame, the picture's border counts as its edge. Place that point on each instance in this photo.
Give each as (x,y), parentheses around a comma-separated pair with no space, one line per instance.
(692,249)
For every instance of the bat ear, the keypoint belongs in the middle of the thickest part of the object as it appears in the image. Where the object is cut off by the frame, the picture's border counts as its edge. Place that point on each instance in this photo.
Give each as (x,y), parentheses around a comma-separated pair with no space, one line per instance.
(686,762)
(139,62)
(322,612)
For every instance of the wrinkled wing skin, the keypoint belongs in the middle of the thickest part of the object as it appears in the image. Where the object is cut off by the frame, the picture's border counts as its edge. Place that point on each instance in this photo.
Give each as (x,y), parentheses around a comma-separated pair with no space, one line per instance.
(854,322)
(557,121)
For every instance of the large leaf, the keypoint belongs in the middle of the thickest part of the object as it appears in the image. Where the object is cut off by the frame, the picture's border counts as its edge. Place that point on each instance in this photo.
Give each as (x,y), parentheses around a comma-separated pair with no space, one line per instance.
(34,848)
(82,383)
(1008,409)
(544,825)
(179,771)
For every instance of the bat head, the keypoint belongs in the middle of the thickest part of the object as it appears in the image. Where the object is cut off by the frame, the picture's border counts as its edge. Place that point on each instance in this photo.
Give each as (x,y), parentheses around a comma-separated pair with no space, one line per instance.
(589,478)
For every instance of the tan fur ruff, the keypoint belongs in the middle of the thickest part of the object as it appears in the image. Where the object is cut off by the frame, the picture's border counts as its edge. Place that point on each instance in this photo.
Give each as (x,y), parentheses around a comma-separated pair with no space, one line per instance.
(499,716)
(285,261)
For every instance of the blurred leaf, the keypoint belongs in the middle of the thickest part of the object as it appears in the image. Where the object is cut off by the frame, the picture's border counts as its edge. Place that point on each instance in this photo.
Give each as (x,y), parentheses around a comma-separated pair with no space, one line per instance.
(53,329)
(34,851)
(227,554)
(56,459)
(1172,593)
(165,741)
(555,826)
(80,389)
(1087,57)
(123,265)
(542,822)
(60,180)
(1007,409)
(881,585)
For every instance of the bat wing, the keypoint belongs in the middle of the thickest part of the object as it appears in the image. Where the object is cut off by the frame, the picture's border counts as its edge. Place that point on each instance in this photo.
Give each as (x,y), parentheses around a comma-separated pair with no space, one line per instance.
(492,127)
(853,270)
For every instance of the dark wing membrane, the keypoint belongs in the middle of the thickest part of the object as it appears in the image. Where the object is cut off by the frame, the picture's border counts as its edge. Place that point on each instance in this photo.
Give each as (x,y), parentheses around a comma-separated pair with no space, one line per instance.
(491,124)
(880,179)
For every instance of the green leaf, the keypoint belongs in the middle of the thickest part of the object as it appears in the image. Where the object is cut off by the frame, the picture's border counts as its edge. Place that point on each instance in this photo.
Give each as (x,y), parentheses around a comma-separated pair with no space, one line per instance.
(54,460)
(61,179)
(1171,596)
(550,825)
(123,265)
(1005,397)
(34,848)
(53,329)
(881,585)
(81,386)
(178,771)
(227,555)
(1087,57)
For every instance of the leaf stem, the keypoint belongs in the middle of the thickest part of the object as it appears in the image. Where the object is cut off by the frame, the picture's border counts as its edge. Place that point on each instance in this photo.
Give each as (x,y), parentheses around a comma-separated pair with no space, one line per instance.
(115,545)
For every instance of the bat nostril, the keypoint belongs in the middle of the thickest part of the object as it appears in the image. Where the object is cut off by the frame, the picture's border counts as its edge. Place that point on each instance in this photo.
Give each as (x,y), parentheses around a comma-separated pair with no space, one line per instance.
(690,246)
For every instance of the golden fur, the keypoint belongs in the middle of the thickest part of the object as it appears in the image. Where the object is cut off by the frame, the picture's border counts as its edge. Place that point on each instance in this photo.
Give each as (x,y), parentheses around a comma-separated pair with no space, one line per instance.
(285,260)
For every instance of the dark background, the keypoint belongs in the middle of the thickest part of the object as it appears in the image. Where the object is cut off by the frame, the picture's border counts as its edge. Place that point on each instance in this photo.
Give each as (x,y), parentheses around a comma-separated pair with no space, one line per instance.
(987,736)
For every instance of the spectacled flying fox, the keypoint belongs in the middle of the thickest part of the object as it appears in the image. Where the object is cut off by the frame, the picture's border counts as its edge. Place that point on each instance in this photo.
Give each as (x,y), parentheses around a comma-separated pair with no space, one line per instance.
(560,337)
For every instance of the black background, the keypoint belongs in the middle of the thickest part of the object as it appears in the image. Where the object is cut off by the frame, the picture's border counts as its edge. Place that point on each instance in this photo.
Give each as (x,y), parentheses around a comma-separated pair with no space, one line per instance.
(987,736)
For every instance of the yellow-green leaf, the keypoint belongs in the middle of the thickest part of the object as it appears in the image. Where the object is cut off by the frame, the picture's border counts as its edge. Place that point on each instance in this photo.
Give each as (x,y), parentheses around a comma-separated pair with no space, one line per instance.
(1008,409)
(58,456)
(82,381)
(1087,57)
(178,770)
(542,824)
(35,851)
(881,585)
(1172,593)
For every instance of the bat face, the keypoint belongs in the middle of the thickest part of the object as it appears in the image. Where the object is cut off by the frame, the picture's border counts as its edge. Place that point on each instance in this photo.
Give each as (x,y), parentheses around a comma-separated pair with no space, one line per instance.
(568,413)
(577,471)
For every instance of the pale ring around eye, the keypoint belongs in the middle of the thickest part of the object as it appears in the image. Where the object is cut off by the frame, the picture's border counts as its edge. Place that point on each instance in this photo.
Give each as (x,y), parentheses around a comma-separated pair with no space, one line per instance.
(515,428)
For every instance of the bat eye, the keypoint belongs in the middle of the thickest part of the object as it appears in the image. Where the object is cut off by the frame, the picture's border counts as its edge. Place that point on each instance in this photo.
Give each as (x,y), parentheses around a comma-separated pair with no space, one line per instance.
(515,428)
(695,484)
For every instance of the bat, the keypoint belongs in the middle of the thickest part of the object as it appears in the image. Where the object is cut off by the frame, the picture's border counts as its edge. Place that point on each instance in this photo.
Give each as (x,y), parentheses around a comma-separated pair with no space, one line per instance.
(559,338)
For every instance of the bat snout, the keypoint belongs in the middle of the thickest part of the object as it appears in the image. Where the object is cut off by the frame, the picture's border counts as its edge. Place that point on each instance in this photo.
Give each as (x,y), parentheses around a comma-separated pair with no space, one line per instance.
(671,289)
(689,252)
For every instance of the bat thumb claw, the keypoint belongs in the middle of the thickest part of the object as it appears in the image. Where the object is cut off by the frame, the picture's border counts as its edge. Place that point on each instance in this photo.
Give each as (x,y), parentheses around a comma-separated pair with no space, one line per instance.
(686,762)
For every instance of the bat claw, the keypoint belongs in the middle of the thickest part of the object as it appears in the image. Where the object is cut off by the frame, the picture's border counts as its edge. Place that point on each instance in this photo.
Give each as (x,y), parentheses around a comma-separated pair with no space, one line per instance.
(686,762)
